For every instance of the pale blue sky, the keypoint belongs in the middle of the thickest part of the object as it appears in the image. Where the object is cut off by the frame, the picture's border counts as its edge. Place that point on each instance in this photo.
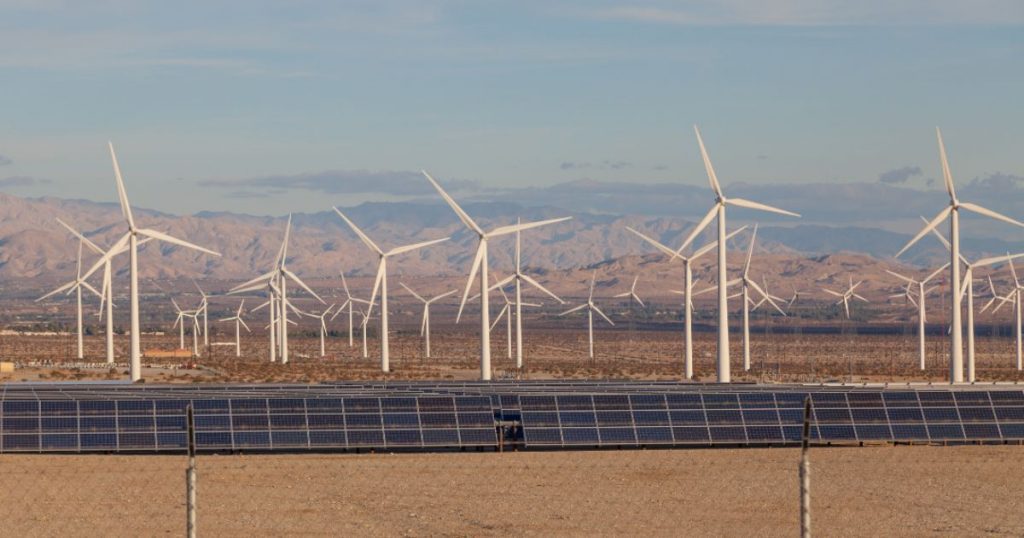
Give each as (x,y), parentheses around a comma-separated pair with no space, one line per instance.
(505,94)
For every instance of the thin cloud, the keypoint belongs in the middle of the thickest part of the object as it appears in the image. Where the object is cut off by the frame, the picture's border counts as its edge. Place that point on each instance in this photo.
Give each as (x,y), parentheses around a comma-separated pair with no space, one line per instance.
(22,181)
(397,183)
(4,161)
(899,175)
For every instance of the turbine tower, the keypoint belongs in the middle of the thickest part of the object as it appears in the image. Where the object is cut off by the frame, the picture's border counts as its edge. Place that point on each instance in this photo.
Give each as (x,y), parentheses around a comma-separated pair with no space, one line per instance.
(425,322)
(76,285)
(920,304)
(131,239)
(952,211)
(323,328)
(506,311)
(687,290)
(277,281)
(591,308)
(239,323)
(718,209)
(480,264)
(381,283)
(519,277)
(203,307)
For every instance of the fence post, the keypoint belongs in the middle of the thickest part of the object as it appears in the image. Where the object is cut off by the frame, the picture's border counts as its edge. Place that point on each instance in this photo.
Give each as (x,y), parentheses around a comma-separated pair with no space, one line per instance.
(805,474)
(190,475)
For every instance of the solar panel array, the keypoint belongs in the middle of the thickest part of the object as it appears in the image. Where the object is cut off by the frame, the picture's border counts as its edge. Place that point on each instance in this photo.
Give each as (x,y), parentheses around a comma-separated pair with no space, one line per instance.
(247,424)
(758,418)
(425,416)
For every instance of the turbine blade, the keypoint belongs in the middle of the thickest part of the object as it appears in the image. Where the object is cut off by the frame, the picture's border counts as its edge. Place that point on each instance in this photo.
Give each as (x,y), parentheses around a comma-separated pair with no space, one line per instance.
(712,177)
(935,273)
(901,277)
(931,224)
(759,206)
(502,283)
(407,248)
(571,310)
(708,247)
(414,294)
(472,276)
(122,196)
(750,251)
(598,310)
(160,236)
(946,175)
(664,250)
(363,237)
(989,213)
(81,237)
(376,287)
(699,228)
(65,287)
(465,218)
(537,285)
(299,281)
(503,230)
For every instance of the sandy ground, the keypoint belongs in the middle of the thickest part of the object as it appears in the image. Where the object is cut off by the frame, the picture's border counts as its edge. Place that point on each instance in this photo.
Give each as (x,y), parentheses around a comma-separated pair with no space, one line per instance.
(875,491)
(620,354)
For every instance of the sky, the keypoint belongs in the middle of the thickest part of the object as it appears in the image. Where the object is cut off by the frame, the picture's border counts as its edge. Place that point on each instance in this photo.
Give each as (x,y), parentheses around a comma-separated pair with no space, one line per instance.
(254,106)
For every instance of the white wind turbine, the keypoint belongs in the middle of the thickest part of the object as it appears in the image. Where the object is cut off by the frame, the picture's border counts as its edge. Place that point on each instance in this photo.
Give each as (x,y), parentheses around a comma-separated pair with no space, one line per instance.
(952,211)
(746,284)
(1012,298)
(506,312)
(1016,294)
(194,314)
(631,293)
(76,285)
(922,293)
(591,308)
(239,323)
(425,321)
(179,323)
(107,293)
(381,283)
(131,240)
(519,277)
(277,280)
(845,296)
(687,290)
(718,209)
(349,300)
(967,289)
(204,308)
(271,306)
(323,328)
(480,263)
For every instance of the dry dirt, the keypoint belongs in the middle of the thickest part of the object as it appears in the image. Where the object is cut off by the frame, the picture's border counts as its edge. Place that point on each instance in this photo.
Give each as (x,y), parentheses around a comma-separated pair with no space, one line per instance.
(549,353)
(875,491)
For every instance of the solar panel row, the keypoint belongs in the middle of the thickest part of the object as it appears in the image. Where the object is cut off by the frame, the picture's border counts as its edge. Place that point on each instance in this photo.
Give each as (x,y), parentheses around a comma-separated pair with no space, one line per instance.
(247,423)
(767,418)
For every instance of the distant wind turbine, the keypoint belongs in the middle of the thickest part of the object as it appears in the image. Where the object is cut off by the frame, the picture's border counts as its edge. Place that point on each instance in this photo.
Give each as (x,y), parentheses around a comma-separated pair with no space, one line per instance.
(952,211)
(591,308)
(76,285)
(239,323)
(847,295)
(718,209)
(381,282)
(131,239)
(480,263)
(425,322)
(922,293)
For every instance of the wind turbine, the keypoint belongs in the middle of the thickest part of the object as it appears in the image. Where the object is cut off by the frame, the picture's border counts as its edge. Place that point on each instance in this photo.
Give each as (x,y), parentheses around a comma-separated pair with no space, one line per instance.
(323,328)
(519,277)
(718,209)
(348,303)
(271,306)
(591,308)
(794,298)
(748,283)
(967,289)
(107,292)
(239,323)
(131,239)
(381,282)
(76,285)
(687,290)
(425,323)
(631,293)
(920,304)
(952,211)
(179,323)
(1016,293)
(277,280)
(506,311)
(844,297)
(204,307)
(480,264)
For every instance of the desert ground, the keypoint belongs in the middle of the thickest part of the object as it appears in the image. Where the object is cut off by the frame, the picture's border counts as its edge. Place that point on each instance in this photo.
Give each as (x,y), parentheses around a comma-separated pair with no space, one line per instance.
(872,491)
(621,353)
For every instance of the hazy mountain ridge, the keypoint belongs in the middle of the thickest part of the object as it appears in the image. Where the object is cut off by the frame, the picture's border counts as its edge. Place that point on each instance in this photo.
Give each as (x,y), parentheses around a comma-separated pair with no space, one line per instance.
(34,246)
